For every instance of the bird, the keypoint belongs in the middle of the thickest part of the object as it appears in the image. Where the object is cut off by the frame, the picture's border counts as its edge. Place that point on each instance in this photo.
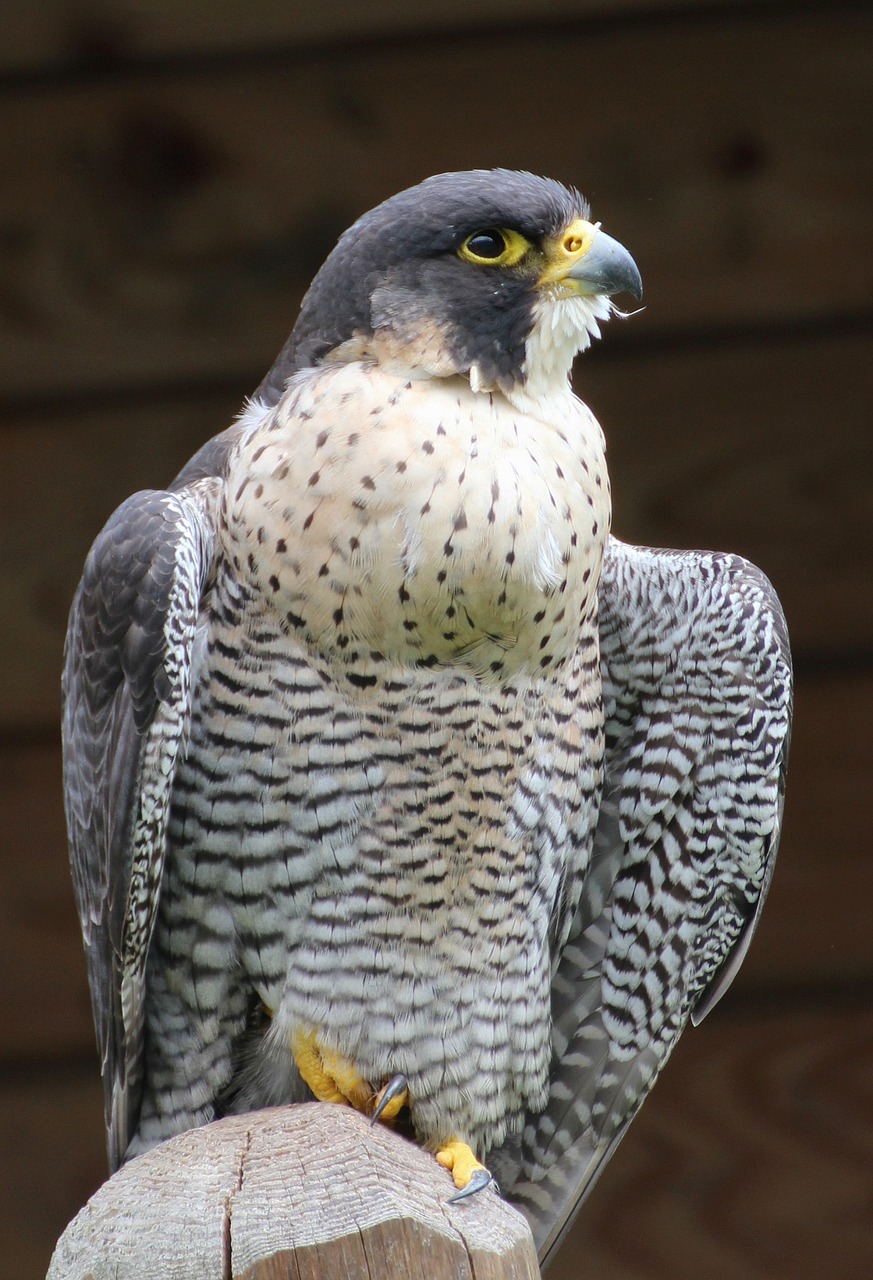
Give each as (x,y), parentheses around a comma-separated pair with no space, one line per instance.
(392,778)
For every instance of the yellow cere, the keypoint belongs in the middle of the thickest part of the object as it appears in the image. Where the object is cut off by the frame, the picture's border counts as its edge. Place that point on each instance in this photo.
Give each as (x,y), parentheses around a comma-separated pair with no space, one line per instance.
(565,250)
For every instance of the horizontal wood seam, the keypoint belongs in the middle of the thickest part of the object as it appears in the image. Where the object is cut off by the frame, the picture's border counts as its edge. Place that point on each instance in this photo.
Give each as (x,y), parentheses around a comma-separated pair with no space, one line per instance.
(58,75)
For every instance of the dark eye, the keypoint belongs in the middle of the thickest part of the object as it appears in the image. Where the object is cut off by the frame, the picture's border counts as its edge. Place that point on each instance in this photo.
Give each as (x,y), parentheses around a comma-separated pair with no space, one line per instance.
(486,244)
(494,247)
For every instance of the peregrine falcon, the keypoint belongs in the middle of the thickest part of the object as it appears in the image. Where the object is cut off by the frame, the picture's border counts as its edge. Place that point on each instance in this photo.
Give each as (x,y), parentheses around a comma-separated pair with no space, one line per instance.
(391,778)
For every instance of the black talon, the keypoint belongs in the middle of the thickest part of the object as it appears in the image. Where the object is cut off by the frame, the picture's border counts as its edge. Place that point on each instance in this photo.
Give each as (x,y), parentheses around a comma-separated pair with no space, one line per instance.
(396,1085)
(478,1182)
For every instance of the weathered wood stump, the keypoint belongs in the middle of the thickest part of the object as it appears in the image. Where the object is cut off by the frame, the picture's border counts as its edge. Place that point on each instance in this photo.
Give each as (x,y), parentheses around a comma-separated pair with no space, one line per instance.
(310,1192)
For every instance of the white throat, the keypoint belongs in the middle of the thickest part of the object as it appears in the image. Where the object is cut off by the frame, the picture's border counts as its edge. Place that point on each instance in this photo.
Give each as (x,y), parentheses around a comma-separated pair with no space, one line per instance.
(563,326)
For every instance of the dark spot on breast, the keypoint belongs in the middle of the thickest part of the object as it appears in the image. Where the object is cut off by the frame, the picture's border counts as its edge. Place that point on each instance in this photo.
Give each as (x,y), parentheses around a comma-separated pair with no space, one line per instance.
(338,616)
(259,452)
(354,437)
(448,549)
(281,546)
(425,509)
(427,446)
(321,439)
(282,473)
(368,482)
(594,529)
(545,640)
(354,543)
(410,625)
(586,575)
(241,490)
(323,571)
(295,619)
(400,468)
(274,582)
(262,534)
(361,682)
(573,538)
(510,557)
(309,519)
(441,431)
(441,576)
(461,520)
(403,594)
(450,612)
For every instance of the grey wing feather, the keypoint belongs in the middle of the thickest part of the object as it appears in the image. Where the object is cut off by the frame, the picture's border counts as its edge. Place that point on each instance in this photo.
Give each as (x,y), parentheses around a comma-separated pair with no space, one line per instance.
(697,692)
(126,689)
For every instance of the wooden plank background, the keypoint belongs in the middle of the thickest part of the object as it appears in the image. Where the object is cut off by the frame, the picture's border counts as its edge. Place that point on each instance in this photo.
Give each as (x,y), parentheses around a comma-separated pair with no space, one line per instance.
(66,34)
(171,178)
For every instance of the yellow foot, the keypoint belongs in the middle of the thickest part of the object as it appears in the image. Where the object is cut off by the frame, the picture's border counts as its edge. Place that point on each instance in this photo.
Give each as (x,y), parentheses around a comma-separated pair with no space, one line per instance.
(330,1076)
(468,1173)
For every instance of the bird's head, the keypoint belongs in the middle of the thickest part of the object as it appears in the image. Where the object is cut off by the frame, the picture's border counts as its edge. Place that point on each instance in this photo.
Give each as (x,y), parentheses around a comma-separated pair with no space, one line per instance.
(496,275)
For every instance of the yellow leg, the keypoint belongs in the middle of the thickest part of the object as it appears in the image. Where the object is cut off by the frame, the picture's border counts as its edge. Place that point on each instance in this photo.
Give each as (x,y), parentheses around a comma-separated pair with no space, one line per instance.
(331,1077)
(459,1158)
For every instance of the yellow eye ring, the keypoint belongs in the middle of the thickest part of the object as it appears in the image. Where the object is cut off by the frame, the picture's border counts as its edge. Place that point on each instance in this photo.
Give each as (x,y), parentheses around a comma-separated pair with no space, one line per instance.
(494,247)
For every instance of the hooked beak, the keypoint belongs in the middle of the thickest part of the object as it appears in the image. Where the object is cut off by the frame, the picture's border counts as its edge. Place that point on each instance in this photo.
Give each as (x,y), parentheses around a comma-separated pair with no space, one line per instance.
(588,261)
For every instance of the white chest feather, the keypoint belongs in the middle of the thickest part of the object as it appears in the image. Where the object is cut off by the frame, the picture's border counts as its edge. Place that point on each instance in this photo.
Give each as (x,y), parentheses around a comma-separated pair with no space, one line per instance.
(422,522)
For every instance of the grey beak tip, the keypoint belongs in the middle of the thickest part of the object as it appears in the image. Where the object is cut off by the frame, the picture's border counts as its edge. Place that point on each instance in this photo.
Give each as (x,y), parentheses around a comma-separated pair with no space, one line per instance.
(609,268)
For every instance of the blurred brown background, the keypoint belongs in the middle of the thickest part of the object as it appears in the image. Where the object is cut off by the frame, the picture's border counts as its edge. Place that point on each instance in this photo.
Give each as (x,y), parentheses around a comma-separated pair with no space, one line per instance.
(171,175)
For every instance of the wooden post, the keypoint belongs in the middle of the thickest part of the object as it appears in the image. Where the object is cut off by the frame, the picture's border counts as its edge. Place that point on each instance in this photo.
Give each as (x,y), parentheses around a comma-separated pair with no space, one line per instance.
(311,1192)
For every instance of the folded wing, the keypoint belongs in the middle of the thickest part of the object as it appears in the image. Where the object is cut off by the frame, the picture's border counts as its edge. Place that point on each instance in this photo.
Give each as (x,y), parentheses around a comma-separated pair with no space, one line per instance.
(697,697)
(126,686)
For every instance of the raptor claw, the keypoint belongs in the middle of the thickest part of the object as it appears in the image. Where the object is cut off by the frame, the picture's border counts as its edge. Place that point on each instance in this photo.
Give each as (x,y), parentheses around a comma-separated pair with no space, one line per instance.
(396,1088)
(478,1182)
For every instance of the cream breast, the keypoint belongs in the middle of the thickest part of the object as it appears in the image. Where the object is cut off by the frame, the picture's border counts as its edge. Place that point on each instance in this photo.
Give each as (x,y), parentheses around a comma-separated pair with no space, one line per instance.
(422,521)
